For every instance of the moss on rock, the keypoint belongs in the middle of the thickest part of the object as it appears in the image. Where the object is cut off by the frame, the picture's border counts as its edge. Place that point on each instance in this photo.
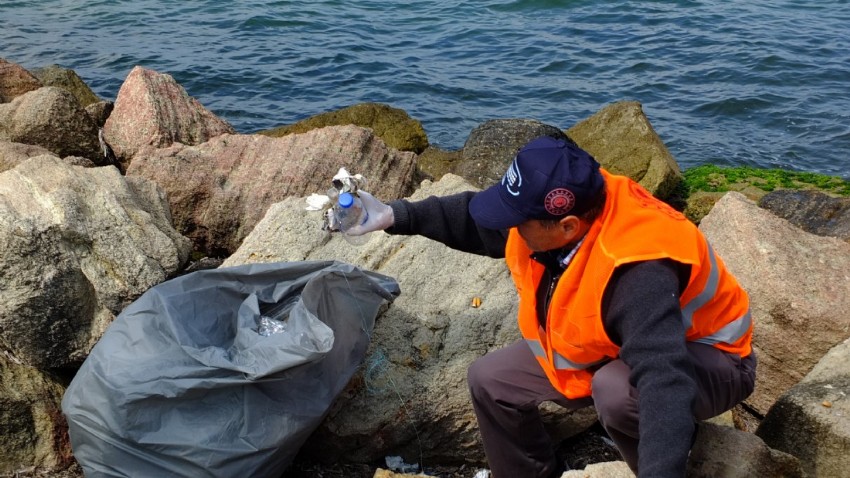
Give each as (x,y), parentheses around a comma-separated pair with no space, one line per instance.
(394,126)
(623,140)
(721,179)
(435,162)
(704,185)
(55,75)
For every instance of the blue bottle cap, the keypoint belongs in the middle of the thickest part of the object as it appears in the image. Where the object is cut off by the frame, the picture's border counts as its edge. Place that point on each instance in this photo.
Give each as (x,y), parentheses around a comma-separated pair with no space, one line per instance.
(345,200)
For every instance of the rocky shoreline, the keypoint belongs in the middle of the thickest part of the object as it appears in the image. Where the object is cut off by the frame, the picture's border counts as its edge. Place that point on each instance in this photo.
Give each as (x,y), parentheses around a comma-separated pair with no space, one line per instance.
(90,224)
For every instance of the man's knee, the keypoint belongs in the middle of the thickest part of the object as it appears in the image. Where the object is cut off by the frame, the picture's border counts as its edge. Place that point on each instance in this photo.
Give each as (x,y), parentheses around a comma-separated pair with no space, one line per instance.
(479,377)
(613,396)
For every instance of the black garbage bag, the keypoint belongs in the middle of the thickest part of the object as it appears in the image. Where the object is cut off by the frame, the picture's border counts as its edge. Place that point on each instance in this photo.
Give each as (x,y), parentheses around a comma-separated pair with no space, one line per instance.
(184,384)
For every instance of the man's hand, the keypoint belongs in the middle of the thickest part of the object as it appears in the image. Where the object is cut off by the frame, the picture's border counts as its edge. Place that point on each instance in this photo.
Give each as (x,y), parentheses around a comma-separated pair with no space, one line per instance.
(380,216)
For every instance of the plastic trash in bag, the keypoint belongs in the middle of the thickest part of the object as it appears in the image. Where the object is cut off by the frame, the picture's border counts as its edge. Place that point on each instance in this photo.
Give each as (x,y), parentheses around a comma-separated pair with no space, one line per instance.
(184,384)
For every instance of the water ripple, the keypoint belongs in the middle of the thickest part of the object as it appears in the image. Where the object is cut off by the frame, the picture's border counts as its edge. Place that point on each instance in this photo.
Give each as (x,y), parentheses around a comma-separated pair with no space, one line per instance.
(733,83)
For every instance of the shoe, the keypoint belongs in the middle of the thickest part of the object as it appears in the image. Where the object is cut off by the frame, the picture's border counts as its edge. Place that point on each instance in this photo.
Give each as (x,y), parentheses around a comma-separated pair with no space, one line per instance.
(563,467)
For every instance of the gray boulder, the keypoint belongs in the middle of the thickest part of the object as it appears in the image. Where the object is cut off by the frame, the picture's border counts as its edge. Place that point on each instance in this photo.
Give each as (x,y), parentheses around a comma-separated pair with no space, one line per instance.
(730,453)
(100,112)
(152,109)
(12,154)
(53,119)
(610,469)
(622,139)
(220,190)
(491,147)
(33,432)
(719,451)
(812,211)
(410,398)
(79,245)
(799,288)
(812,420)
(15,80)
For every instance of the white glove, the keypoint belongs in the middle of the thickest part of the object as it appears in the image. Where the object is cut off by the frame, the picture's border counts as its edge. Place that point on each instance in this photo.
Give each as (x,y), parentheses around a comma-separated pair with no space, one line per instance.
(380,216)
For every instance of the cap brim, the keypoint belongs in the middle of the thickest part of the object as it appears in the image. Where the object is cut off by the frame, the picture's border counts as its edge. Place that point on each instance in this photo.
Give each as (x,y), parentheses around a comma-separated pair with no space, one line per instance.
(489,211)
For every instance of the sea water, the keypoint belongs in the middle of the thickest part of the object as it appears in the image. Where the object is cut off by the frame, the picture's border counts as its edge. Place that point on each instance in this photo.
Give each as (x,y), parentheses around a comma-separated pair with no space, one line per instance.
(759,83)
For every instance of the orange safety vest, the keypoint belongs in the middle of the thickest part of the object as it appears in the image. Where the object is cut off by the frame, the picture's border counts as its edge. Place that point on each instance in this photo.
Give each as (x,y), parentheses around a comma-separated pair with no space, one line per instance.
(634,226)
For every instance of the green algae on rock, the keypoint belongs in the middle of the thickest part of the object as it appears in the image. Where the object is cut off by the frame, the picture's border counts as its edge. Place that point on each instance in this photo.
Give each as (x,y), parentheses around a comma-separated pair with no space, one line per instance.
(705,184)
(393,125)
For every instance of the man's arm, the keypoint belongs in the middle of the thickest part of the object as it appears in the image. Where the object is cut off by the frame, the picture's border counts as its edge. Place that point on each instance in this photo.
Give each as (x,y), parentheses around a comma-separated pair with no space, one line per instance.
(641,313)
(446,219)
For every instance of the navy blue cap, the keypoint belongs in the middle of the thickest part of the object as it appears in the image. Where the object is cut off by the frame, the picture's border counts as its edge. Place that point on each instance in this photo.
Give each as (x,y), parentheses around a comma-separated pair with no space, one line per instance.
(548,179)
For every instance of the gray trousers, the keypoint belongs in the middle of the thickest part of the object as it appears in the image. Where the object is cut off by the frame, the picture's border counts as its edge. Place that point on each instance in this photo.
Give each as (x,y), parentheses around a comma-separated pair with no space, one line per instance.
(508,384)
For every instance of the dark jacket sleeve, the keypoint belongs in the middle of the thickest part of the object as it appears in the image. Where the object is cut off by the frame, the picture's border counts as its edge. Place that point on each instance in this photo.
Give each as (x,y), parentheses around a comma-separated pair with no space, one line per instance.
(641,313)
(446,219)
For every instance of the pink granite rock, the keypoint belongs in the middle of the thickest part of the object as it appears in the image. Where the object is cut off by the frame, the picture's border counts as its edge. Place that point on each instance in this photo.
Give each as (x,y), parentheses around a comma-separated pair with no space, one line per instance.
(799,287)
(220,190)
(15,81)
(152,109)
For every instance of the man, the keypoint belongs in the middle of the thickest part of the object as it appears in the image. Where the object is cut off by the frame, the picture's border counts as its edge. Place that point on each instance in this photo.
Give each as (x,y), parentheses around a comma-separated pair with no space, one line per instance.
(623,305)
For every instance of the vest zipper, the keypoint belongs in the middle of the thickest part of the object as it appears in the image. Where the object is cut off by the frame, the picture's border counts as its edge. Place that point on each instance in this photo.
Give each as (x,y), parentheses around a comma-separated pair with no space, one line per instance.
(553,282)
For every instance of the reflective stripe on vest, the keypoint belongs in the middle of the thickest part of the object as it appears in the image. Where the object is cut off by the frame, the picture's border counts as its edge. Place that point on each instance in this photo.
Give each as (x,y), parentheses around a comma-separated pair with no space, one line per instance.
(708,291)
(731,332)
(561,362)
(536,348)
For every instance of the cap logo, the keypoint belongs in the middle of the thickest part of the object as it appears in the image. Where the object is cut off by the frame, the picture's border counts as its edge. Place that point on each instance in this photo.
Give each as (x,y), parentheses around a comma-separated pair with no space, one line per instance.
(559,201)
(512,179)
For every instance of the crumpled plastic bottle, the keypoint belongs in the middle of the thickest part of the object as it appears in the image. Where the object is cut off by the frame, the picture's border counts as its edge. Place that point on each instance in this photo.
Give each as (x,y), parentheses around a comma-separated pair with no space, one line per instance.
(341,206)
(349,212)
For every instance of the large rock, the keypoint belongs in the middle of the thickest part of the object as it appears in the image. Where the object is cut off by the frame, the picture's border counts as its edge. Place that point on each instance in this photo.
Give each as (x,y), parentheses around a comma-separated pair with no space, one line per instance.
(730,453)
(799,288)
(394,126)
(221,189)
(55,75)
(434,162)
(100,112)
(78,246)
(15,80)
(609,469)
(492,146)
(12,154)
(33,432)
(813,211)
(152,109)
(411,397)
(812,420)
(719,451)
(53,119)
(622,139)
